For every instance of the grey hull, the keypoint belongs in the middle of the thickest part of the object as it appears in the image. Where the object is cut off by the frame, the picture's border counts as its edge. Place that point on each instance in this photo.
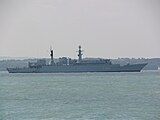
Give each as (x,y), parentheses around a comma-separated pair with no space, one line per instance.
(80,68)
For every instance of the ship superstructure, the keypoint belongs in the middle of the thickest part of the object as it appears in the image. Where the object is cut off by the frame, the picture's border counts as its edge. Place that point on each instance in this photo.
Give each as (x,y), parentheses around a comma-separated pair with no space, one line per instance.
(68,65)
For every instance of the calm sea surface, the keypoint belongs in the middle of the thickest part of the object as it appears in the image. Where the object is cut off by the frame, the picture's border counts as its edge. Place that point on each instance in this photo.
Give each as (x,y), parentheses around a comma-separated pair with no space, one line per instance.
(80,96)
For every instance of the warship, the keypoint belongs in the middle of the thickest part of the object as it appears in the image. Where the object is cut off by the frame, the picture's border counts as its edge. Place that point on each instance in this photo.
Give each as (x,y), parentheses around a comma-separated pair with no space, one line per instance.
(68,65)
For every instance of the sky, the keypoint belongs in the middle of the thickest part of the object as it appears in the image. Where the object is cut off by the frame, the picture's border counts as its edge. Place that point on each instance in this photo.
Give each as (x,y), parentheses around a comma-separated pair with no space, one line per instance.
(104,28)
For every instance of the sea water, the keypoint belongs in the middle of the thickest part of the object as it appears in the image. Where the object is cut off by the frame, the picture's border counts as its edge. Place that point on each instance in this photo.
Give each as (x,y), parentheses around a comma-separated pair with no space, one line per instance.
(80,96)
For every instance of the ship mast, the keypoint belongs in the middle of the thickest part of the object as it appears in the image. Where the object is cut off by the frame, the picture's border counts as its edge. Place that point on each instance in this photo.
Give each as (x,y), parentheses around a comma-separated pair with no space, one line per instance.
(80,54)
(52,61)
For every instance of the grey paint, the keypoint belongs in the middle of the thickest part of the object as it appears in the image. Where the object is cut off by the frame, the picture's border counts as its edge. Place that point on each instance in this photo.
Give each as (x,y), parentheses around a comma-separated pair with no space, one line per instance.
(80,68)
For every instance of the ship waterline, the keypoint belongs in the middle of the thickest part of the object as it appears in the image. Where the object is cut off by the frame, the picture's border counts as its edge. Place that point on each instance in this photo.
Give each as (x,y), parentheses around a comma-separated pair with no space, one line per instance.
(66,65)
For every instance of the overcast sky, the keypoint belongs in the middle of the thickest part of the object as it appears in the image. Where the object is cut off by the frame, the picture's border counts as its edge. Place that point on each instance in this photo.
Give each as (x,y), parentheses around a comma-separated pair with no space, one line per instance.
(104,28)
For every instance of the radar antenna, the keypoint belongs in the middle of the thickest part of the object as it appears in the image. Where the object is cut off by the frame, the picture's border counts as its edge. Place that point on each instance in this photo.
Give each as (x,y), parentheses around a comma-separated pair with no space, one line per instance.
(80,54)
